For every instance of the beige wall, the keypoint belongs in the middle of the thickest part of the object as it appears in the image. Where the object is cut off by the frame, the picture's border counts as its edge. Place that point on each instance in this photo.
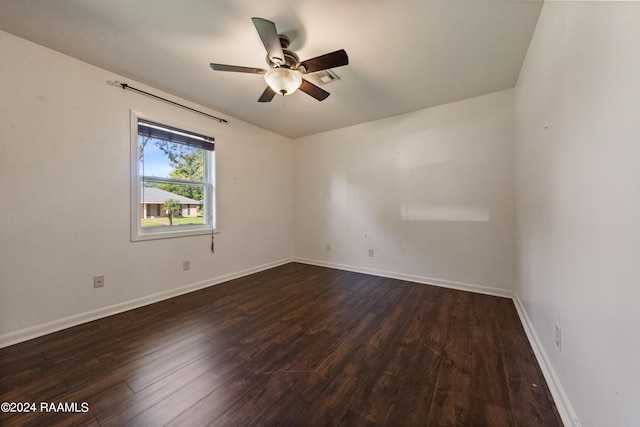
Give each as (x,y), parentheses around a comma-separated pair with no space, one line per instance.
(64,130)
(430,192)
(578,204)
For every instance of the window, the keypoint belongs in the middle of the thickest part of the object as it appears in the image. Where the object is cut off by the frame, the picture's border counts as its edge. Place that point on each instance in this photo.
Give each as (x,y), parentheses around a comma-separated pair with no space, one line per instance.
(172,180)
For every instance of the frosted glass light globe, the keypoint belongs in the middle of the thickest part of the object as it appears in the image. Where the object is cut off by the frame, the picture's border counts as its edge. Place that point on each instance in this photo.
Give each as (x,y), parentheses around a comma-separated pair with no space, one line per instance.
(283,80)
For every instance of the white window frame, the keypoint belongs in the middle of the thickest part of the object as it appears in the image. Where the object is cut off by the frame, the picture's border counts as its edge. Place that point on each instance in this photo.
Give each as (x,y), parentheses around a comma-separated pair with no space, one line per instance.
(139,233)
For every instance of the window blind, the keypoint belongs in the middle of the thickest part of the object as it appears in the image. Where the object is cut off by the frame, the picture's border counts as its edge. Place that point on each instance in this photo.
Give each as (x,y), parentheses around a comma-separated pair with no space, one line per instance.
(167,133)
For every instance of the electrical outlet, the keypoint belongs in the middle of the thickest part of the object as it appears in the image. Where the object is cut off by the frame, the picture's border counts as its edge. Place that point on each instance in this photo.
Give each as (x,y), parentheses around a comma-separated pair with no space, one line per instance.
(371,253)
(98,281)
(558,337)
(328,247)
(186,265)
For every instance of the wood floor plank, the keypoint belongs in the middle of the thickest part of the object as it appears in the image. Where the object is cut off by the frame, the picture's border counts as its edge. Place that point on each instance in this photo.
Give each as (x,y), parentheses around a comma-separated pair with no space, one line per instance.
(293,345)
(415,363)
(152,395)
(489,386)
(342,353)
(139,372)
(286,411)
(452,399)
(179,401)
(244,398)
(216,402)
(531,402)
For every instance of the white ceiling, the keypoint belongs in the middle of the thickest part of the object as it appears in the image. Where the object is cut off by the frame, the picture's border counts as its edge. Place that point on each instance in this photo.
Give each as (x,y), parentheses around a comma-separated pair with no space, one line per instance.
(404,55)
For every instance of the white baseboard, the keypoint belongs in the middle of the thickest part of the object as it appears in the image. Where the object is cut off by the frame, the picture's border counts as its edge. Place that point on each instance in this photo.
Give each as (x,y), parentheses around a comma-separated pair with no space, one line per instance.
(68,322)
(487,290)
(567,413)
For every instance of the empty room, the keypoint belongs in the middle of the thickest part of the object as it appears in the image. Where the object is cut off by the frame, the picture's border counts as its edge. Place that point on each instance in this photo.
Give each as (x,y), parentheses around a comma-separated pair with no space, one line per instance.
(340,213)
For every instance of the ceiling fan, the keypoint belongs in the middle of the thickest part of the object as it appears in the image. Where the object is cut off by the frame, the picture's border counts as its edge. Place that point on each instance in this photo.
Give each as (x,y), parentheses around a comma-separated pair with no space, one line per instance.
(285,69)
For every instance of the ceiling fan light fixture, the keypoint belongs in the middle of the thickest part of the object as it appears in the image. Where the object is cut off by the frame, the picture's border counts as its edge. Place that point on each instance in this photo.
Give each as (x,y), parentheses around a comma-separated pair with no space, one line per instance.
(283,80)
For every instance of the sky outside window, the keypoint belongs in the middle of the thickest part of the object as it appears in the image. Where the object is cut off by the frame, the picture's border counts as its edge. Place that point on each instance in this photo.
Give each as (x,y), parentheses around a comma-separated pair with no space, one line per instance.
(155,161)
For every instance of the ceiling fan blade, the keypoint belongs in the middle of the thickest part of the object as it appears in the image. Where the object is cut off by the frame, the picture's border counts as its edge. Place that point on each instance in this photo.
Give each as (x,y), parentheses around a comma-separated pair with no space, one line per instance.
(267,95)
(324,62)
(269,36)
(313,90)
(237,69)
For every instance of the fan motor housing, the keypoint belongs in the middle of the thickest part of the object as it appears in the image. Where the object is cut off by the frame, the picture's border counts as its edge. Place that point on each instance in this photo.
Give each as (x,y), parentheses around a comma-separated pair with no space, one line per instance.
(291,59)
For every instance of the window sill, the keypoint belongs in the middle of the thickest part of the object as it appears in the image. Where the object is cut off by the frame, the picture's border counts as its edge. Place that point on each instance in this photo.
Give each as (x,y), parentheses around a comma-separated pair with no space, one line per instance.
(155,234)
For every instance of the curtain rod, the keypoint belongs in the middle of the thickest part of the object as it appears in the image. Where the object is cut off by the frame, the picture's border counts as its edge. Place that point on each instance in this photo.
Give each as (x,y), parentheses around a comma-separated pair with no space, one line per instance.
(125,86)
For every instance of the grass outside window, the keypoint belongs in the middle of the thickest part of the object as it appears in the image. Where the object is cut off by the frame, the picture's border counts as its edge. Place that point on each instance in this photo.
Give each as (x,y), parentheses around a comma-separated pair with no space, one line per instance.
(164,221)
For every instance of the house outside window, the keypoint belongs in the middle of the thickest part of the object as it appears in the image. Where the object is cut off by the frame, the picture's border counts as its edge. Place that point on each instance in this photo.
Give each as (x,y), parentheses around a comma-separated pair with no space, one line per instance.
(170,164)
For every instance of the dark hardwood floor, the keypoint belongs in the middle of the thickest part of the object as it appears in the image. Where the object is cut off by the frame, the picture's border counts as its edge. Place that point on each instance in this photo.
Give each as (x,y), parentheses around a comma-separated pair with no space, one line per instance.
(296,345)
